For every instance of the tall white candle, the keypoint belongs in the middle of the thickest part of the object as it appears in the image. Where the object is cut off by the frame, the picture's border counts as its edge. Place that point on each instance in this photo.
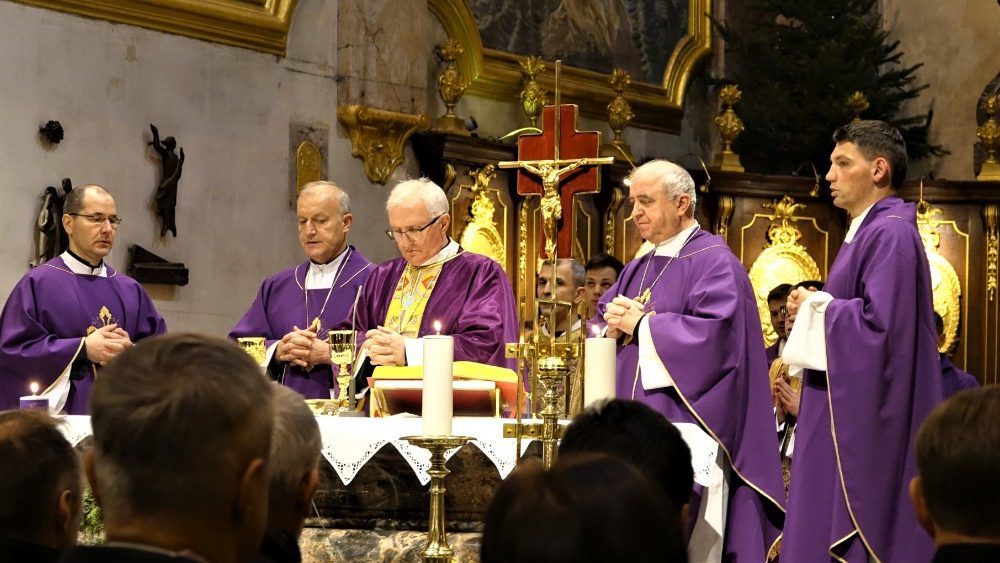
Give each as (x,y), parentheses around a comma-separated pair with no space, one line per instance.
(439,354)
(598,370)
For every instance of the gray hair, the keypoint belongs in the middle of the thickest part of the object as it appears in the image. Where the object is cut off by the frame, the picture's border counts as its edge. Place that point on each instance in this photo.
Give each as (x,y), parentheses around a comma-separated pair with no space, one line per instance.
(74,199)
(422,190)
(343,199)
(295,446)
(577,271)
(673,179)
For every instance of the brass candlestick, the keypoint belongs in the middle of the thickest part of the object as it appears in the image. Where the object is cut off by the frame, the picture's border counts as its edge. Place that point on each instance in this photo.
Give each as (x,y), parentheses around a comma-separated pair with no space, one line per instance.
(989,136)
(254,346)
(619,116)
(342,345)
(437,550)
(730,127)
(533,97)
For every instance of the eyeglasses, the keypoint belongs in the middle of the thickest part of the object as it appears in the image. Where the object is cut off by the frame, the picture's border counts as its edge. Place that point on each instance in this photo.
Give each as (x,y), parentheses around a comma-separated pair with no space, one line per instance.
(411,234)
(114,220)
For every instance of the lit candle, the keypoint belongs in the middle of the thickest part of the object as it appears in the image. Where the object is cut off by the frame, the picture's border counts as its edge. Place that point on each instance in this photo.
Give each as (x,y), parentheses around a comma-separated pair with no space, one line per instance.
(437,409)
(598,368)
(437,327)
(34,401)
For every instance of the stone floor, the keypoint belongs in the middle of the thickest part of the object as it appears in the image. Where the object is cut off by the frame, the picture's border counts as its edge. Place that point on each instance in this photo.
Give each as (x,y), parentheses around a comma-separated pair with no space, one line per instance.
(382,546)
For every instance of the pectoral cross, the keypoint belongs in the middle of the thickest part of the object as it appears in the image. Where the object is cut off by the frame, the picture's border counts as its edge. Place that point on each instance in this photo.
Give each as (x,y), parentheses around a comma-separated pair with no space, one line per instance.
(559,157)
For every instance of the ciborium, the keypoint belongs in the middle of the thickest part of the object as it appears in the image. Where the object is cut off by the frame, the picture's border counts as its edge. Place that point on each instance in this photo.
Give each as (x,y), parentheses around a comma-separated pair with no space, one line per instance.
(342,346)
(255,347)
(437,550)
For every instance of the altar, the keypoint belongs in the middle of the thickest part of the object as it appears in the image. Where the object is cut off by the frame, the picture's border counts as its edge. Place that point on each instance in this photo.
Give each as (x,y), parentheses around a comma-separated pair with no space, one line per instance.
(372,503)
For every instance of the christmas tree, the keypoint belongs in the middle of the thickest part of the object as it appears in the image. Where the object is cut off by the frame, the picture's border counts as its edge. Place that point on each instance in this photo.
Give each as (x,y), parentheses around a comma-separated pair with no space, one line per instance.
(798,62)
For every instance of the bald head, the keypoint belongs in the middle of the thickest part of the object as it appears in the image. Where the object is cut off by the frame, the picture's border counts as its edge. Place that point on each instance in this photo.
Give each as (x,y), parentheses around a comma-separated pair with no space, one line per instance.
(323,189)
(74,199)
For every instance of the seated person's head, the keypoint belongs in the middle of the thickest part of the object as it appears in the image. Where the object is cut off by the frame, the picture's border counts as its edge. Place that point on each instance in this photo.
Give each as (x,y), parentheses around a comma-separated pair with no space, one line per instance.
(294,462)
(182,432)
(602,273)
(776,300)
(40,481)
(588,507)
(640,435)
(957,494)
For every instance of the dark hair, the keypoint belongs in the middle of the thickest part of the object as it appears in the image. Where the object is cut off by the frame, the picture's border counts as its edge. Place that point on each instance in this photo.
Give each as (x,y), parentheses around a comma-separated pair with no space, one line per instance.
(38,464)
(780,292)
(602,260)
(640,435)
(958,458)
(175,419)
(815,284)
(938,324)
(73,203)
(877,139)
(588,508)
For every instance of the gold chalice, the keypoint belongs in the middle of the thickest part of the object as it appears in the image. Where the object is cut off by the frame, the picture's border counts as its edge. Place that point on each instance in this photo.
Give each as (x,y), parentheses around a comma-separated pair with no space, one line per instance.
(254,345)
(342,344)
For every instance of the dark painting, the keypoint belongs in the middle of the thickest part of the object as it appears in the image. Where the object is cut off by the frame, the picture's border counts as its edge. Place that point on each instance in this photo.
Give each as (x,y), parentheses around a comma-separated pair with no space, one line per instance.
(598,35)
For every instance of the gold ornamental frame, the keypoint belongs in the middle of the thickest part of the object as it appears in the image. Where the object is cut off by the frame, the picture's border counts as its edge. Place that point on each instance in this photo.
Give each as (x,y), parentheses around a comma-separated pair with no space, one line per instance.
(260,25)
(497,74)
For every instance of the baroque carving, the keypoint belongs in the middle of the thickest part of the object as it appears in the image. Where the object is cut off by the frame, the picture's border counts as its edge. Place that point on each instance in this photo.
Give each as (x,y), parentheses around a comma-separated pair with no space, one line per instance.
(992,249)
(480,234)
(451,86)
(378,136)
(730,126)
(945,284)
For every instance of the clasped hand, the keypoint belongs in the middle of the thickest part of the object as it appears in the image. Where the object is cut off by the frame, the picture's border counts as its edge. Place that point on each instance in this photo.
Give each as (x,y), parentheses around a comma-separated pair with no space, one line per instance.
(106,343)
(302,348)
(622,315)
(385,347)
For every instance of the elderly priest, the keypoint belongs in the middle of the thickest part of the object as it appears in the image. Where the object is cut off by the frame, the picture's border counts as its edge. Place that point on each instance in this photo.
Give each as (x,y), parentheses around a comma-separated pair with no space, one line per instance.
(435,281)
(73,314)
(296,307)
(691,347)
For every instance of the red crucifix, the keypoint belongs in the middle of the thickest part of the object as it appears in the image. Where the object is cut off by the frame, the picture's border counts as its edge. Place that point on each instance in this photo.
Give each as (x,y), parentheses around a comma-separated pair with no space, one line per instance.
(557,164)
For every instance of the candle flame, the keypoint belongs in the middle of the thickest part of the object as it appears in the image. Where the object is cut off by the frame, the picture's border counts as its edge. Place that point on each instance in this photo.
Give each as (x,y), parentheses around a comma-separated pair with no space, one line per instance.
(596,330)
(437,327)
(34,388)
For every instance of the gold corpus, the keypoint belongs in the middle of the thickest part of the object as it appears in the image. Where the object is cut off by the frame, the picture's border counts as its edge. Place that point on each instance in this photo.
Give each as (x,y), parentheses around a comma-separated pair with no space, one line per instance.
(947,292)
(783,261)
(619,116)
(659,107)
(609,220)
(857,103)
(480,234)
(989,136)
(437,550)
(255,346)
(257,25)
(730,127)
(308,164)
(990,213)
(533,96)
(726,205)
(451,86)
(378,136)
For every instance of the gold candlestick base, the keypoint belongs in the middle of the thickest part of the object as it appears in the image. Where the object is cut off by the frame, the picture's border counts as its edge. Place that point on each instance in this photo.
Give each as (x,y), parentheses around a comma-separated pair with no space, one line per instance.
(437,550)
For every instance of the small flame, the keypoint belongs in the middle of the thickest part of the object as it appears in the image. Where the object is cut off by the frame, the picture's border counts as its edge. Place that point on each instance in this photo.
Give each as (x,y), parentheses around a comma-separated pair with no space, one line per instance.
(596,330)
(34,388)
(437,327)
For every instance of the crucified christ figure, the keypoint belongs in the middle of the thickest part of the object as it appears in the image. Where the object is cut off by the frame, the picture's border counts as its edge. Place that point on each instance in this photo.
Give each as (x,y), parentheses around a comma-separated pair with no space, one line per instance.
(550,173)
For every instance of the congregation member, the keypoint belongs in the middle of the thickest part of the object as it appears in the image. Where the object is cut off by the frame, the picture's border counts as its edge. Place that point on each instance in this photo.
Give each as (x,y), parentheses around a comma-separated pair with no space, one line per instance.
(776,301)
(295,308)
(691,347)
(953,379)
(294,470)
(602,273)
(956,494)
(589,507)
(72,315)
(872,373)
(564,283)
(179,464)
(433,281)
(40,487)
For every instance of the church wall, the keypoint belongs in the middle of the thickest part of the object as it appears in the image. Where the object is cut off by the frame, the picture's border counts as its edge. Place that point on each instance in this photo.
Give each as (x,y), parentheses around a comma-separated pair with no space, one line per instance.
(230,109)
(958,43)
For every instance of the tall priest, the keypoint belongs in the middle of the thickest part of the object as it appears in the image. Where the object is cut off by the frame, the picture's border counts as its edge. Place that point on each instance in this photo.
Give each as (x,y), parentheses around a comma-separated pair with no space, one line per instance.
(691,347)
(433,281)
(72,315)
(296,308)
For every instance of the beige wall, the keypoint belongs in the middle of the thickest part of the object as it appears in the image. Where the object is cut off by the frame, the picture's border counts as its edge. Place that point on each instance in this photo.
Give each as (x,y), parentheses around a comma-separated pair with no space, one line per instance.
(959,43)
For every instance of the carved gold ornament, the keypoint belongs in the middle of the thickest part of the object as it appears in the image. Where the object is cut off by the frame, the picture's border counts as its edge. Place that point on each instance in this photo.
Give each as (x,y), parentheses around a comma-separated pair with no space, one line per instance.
(533,97)
(481,235)
(990,213)
(730,127)
(945,285)
(619,116)
(784,260)
(857,103)
(989,136)
(308,164)
(451,86)
(378,136)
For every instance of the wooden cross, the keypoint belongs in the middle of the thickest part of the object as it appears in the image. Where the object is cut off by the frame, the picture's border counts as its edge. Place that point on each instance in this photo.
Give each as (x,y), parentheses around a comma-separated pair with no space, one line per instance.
(558,157)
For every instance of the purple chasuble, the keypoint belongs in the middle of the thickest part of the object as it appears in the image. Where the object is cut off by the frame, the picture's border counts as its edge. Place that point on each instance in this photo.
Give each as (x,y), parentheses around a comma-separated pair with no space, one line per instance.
(281,305)
(857,422)
(707,333)
(772,352)
(46,318)
(953,379)
(472,298)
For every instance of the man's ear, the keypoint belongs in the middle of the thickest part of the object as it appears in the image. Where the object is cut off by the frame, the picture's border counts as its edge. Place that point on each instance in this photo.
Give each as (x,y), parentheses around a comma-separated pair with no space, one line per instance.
(348,221)
(67,221)
(307,490)
(920,506)
(68,518)
(880,170)
(251,497)
(581,293)
(88,470)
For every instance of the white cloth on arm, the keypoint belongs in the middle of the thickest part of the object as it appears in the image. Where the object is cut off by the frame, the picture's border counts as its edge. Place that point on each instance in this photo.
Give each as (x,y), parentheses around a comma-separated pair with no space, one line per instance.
(806,345)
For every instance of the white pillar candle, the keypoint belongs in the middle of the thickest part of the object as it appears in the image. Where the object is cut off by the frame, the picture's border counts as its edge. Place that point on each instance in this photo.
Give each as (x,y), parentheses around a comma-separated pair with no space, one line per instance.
(439,354)
(598,370)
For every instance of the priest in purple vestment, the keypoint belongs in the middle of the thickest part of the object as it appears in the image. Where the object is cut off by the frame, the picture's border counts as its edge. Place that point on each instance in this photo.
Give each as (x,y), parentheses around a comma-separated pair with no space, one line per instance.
(295,308)
(73,314)
(691,347)
(434,281)
(872,373)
